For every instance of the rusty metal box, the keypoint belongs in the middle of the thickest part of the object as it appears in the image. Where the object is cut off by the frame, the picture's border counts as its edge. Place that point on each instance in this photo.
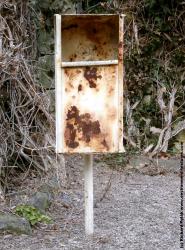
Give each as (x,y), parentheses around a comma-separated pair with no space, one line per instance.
(89,83)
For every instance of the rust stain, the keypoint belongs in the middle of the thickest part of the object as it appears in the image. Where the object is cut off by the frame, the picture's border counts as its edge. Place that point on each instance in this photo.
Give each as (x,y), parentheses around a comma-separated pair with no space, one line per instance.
(93,38)
(83,129)
(72,26)
(89,127)
(70,135)
(94,30)
(67,72)
(120,46)
(80,87)
(73,57)
(80,125)
(104,143)
(111,90)
(93,34)
(112,113)
(120,49)
(95,47)
(91,76)
(73,113)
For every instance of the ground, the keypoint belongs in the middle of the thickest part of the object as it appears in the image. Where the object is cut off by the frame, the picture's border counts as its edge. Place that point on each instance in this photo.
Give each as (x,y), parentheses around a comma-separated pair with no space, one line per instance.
(137,207)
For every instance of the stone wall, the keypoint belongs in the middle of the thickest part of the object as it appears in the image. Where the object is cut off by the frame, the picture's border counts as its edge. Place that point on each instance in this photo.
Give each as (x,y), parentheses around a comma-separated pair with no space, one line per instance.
(43,15)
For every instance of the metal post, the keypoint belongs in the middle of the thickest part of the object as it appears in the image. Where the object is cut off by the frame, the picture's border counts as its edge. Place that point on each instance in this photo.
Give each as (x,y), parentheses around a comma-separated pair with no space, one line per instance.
(58,83)
(88,187)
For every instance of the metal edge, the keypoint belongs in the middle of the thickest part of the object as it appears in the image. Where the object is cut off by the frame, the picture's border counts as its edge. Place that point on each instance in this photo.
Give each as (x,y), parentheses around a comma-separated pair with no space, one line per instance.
(120,84)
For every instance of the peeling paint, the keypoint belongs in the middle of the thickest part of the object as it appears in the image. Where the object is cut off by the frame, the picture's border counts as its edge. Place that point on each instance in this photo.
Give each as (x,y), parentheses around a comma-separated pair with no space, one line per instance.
(92,115)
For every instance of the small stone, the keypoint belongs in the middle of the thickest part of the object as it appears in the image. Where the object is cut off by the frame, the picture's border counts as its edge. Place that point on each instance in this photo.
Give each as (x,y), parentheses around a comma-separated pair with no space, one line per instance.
(66,200)
(44,79)
(41,201)
(46,63)
(45,42)
(51,96)
(14,224)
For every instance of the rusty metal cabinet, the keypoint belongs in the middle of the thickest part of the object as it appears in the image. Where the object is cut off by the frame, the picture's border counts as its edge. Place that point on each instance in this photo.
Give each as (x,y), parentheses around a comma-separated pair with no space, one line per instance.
(89,83)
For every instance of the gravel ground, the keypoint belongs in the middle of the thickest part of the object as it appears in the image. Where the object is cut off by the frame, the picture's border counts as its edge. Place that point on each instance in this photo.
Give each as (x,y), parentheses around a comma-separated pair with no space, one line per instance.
(140,210)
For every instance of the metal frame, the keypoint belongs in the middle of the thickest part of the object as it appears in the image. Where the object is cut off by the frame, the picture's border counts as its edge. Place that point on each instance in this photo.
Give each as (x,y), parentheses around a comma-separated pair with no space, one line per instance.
(89,63)
(59,76)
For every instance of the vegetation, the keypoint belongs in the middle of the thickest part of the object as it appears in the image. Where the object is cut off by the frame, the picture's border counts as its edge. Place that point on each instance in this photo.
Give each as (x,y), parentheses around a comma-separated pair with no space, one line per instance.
(26,124)
(32,214)
(154,70)
(154,61)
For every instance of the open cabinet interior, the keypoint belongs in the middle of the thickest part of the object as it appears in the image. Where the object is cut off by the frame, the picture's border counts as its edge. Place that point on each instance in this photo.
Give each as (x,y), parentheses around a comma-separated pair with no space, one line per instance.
(89,37)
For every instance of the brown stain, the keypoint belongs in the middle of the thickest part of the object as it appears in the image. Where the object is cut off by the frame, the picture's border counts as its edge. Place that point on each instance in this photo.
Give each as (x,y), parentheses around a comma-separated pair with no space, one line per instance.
(104,143)
(70,85)
(95,47)
(111,91)
(72,57)
(70,73)
(80,87)
(120,46)
(94,32)
(101,51)
(73,113)
(112,113)
(120,51)
(91,76)
(67,72)
(89,128)
(72,26)
(83,125)
(70,135)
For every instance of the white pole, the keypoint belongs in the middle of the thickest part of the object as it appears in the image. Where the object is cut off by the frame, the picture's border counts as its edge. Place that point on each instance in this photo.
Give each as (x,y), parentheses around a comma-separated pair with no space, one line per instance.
(88,187)
(58,83)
